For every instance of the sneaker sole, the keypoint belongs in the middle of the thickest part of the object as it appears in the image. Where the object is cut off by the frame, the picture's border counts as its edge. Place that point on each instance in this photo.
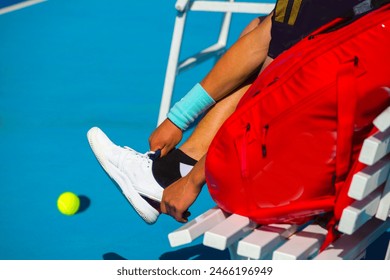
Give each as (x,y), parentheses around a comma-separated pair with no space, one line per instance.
(147,212)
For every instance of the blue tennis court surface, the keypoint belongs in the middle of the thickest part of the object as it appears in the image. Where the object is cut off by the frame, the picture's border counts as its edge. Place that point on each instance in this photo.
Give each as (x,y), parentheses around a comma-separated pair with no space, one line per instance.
(68,65)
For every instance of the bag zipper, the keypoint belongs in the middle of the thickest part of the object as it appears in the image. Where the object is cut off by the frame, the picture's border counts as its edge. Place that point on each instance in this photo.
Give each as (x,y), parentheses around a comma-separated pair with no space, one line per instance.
(304,103)
(264,140)
(244,166)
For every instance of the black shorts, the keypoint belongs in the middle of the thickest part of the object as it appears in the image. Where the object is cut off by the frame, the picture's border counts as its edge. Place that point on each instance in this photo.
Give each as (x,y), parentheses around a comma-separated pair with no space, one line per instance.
(295,19)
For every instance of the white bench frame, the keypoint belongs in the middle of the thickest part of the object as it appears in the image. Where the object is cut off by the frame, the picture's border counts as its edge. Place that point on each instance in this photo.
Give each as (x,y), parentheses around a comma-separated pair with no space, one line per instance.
(183,7)
(361,223)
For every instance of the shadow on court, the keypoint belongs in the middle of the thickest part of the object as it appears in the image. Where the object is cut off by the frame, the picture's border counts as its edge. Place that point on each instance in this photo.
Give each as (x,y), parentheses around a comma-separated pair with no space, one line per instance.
(113,256)
(378,248)
(197,252)
(85,202)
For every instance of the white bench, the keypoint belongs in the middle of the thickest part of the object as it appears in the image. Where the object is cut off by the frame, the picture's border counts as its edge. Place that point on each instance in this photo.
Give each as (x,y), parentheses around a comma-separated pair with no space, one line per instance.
(361,223)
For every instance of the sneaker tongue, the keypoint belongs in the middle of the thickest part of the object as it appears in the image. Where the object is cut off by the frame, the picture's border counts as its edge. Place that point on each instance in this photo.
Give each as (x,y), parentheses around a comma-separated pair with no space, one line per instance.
(154,155)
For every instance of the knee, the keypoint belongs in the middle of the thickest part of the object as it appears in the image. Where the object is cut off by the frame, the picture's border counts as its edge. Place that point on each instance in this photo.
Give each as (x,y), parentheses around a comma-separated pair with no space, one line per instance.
(252,25)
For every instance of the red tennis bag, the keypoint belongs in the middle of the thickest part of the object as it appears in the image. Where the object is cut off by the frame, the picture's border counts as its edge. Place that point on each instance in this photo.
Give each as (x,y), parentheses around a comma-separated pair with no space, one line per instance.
(288,148)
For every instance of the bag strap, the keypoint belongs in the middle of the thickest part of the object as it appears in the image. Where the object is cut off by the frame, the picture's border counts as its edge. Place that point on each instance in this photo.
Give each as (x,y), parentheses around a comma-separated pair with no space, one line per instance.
(342,199)
(346,108)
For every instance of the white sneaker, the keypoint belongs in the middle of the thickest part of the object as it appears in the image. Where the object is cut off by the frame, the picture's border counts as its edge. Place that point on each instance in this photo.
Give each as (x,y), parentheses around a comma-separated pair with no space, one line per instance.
(132,172)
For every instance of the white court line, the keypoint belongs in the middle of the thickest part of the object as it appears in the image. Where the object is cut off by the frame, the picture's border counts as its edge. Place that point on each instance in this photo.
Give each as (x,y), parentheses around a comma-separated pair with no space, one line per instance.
(19,6)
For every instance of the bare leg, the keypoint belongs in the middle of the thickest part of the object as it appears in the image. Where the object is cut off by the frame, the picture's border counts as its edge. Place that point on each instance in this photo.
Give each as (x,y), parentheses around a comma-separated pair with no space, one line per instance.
(197,144)
(241,61)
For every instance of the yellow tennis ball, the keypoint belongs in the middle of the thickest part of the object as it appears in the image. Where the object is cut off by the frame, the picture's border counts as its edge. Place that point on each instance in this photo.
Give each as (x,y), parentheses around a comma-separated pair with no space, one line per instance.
(68,203)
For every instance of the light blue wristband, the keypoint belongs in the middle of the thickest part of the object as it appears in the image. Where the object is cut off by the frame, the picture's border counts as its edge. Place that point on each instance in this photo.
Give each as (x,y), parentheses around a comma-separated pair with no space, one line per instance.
(194,103)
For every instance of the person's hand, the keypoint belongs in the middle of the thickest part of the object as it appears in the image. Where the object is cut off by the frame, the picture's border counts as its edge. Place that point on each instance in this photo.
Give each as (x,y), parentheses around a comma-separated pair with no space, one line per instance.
(165,137)
(180,195)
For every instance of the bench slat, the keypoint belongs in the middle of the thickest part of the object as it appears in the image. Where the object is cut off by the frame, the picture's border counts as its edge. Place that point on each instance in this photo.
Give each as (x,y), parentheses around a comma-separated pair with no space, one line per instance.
(382,122)
(359,212)
(375,147)
(195,228)
(227,232)
(383,211)
(301,245)
(264,240)
(369,179)
(387,257)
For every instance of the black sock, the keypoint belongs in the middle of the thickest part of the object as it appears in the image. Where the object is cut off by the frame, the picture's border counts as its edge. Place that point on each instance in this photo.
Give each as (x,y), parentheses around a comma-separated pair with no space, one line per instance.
(171,167)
